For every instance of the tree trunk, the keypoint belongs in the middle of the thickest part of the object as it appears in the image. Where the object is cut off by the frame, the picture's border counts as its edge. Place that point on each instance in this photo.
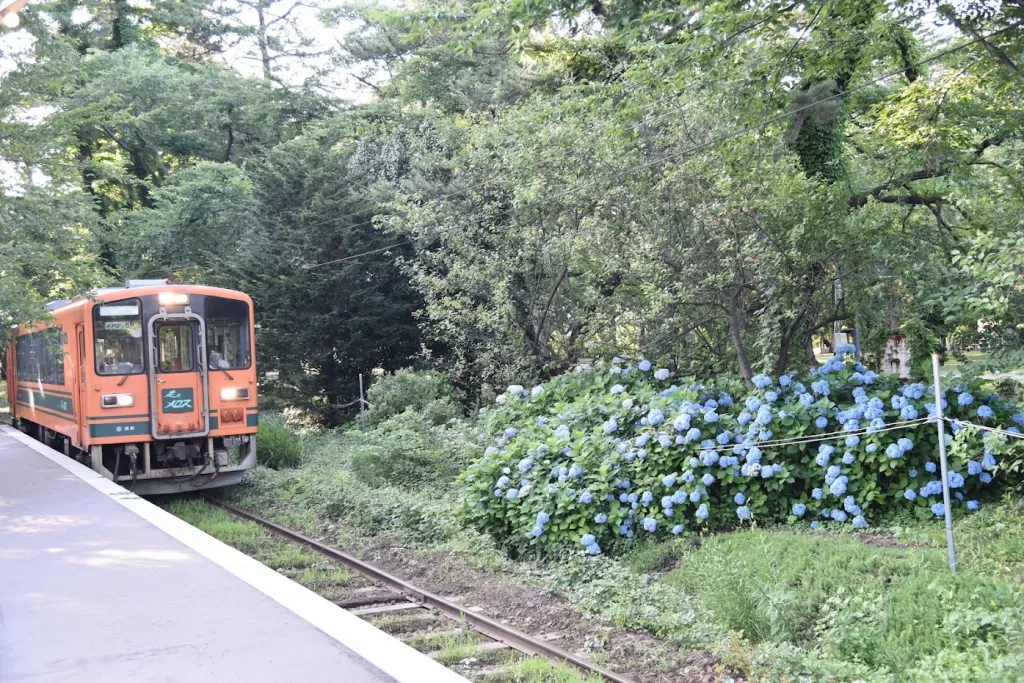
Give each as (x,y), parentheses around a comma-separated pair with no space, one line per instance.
(261,38)
(736,336)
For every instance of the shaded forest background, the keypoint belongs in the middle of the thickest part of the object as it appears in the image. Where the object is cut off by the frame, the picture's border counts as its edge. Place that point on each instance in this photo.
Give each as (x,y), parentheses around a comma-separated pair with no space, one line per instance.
(527,185)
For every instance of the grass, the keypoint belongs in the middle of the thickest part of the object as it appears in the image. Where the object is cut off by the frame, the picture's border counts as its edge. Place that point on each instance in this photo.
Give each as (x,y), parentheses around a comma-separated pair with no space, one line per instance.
(835,604)
(532,670)
(304,566)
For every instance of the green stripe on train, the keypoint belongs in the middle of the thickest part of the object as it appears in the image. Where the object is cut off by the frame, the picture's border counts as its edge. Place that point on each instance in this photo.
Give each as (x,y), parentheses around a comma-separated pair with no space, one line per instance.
(252,420)
(59,404)
(99,431)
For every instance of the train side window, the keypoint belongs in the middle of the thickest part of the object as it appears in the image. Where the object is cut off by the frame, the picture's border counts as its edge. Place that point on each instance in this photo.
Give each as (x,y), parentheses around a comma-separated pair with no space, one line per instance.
(227,334)
(177,348)
(117,328)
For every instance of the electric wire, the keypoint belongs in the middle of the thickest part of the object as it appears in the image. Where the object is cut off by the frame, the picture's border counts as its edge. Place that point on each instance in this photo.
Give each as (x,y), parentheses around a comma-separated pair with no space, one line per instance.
(963,423)
(709,144)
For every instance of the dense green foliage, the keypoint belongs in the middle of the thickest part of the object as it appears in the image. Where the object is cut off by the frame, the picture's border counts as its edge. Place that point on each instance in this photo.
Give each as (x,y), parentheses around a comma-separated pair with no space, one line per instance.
(277,446)
(606,453)
(531,185)
(427,392)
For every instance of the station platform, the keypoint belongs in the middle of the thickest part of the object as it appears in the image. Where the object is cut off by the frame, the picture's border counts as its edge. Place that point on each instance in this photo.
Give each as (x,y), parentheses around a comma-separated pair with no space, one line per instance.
(98,584)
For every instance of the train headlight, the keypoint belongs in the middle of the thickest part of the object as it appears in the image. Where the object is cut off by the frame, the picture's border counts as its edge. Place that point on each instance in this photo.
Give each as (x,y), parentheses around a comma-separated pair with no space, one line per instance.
(118,400)
(172,299)
(239,394)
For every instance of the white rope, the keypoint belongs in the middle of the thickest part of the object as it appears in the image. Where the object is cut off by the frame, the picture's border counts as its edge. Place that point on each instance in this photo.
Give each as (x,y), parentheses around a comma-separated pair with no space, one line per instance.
(984,428)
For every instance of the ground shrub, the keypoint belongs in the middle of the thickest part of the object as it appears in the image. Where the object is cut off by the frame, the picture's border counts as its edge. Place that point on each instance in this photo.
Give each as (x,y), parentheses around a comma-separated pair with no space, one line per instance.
(277,446)
(411,450)
(425,391)
(608,452)
(885,609)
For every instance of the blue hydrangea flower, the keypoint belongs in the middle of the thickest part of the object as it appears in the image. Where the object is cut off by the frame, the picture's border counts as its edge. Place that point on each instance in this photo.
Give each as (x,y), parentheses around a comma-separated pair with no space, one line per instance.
(693,434)
(688,477)
(848,458)
(908,412)
(512,494)
(511,432)
(974,468)
(956,480)
(543,518)
(838,515)
(973,505)
(761,381)
(850,505)
(739,498)
(871,447)
(912,473)
(610,427)
(503,482)
(785,380)
(905,444)
(929,467)
(576,471)
(668,481)
(562,433)
(647,498)
(695,496)
(702,511)
(816,494)
(618,389)
(644,365)
(894,451)
(985,478)
(989,461)
(852,440)
(771,396)
(600,518)
(814,524)
(910,494)
(838,487)
(542,421)
(586,497)
(859,522)
(821,387)
(821,459)
(821,422)
(711,417)
(799,509)
(664,440)
(806,400)
(767,473)
(842,349)
(649,524)
(677,529)
(965,399)
(708,479)
(655,417)
(661,374)
(938,509)
(743,512)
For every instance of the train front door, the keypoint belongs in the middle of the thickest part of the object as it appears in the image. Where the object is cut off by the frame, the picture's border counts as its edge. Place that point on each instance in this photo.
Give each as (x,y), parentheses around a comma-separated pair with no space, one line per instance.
(177,377)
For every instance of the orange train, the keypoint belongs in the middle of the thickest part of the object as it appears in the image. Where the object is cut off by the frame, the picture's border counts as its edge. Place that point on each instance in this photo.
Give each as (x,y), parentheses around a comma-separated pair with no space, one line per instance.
(152,385)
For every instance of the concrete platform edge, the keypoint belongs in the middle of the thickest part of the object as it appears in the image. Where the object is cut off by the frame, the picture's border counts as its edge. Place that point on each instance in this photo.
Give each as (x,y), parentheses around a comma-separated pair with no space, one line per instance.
(383,651)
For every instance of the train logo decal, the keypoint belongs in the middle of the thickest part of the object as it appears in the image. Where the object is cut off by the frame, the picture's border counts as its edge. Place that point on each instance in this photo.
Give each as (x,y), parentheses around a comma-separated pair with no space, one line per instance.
(177,400)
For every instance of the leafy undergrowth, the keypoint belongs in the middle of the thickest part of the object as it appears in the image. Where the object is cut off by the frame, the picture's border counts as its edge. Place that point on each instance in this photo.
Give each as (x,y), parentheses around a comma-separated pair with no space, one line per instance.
(763,603)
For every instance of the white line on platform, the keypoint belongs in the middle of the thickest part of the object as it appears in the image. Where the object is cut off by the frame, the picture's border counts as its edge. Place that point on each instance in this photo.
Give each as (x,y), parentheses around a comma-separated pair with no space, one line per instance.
(387,653)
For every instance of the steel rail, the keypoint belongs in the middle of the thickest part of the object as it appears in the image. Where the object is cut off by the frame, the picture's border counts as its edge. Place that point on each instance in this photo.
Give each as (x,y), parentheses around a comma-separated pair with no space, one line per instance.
(489,627)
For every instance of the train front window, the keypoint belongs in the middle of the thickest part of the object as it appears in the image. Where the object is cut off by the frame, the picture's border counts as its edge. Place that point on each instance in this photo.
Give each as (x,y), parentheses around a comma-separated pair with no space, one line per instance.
(177,349)
(118,334)
(227,334)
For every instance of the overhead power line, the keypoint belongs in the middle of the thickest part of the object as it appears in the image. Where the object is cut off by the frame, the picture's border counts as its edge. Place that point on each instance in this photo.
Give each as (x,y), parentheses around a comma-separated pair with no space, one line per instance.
(709,144)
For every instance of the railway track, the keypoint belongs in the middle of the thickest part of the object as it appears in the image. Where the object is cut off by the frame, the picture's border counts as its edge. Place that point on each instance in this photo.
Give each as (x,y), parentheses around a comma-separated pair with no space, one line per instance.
(421,618)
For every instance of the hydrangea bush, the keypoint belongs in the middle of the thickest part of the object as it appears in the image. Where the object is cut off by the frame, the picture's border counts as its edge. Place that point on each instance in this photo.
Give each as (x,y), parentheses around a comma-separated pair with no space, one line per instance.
(620,450)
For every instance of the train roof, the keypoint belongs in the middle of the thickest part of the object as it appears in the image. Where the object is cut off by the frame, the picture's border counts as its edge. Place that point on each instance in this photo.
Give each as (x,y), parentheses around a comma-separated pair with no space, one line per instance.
(135,288)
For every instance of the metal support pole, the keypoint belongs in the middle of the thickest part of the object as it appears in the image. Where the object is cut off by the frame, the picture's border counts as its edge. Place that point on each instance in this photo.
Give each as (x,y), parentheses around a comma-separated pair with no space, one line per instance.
(362,404)
(856,338)
(943,467)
